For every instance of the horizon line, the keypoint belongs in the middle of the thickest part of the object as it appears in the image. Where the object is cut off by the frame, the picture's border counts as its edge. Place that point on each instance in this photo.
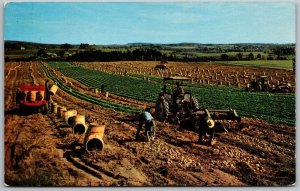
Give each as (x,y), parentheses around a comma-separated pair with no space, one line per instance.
(151,43)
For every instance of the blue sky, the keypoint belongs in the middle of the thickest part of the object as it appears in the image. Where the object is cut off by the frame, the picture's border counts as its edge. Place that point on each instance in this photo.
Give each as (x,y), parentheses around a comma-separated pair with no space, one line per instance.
(121,23)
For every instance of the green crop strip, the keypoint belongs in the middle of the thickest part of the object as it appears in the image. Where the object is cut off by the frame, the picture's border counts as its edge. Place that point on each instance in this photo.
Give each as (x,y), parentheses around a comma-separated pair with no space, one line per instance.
(276,108)
(114,106)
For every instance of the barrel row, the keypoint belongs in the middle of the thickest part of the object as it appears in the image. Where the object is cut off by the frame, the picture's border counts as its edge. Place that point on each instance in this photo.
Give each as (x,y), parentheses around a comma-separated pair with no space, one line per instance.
(94,133)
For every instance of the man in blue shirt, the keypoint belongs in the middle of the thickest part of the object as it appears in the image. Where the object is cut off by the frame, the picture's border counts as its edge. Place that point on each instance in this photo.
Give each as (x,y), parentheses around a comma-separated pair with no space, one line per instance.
(146,118)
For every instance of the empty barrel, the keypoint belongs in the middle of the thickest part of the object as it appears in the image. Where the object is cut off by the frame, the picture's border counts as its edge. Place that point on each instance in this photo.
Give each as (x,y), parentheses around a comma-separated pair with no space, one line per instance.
(53,104)
(69,113)
(93,140)
(59,111)
(62,113)
(55,109)
(31,96)
(79,126)
(53,89)
(40,95)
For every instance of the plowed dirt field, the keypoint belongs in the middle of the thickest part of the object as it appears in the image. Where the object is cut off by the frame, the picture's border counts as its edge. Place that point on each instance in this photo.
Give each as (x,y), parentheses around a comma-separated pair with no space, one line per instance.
(42,150)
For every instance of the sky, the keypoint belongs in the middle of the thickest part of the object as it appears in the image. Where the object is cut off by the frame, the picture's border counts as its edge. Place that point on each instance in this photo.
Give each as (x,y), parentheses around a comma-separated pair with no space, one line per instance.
(168,22)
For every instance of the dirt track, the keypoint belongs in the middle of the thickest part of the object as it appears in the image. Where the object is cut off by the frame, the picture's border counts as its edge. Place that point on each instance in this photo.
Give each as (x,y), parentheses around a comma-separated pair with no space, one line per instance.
(41,149)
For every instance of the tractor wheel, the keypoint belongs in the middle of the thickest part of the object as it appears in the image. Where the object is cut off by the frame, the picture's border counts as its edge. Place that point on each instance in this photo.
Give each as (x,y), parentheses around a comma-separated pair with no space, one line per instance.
(162,109)
(21,109)
(195,104)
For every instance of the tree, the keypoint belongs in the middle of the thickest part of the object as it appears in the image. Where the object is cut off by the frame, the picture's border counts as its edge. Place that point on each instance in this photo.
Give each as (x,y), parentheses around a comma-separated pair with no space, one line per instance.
(62,53)
(258,56)
(41,52)
(84,46)
(239,56)
(250,56)
(66,46)
(224,57)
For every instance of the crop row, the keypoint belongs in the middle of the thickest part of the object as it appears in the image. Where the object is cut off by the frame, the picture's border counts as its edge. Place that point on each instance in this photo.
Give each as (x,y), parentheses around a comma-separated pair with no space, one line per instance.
(271,107)
(114,106)
(126,87)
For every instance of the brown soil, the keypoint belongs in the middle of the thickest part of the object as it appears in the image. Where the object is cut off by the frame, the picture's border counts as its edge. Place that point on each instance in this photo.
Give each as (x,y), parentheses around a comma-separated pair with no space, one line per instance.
(41,149)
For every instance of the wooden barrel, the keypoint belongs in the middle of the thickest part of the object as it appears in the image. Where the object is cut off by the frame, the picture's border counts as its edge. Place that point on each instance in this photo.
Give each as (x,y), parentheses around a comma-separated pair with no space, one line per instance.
(59,111)
(40,95)
(53,89)
(63,111)
(69,113)
(79,126)
(31,96)
(55,109)
(93,140)
(52,107)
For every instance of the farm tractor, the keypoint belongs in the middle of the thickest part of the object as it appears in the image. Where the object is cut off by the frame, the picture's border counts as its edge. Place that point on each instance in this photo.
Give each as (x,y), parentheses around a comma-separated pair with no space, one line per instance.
(34,98)
(174,101)
(162,65)
(261,83)
(182,107)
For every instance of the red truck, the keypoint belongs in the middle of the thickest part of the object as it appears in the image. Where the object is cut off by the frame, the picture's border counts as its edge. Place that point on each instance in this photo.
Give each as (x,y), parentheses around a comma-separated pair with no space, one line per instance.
(32,98)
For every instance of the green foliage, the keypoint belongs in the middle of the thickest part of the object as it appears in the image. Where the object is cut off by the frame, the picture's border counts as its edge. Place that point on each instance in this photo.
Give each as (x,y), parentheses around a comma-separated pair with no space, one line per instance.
(66,46)
(281,64)
(114,106)
(258,56)
(250,56)
(41,52)
(279,108)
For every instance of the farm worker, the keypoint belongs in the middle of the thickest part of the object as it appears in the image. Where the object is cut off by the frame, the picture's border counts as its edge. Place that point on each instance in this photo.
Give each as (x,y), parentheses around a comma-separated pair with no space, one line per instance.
(146,118)
(206,128)
(179,89)
(102,88)
(47,90)
(178,94)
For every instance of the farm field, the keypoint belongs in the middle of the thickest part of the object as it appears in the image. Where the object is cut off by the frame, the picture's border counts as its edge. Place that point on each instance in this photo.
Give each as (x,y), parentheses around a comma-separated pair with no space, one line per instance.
(41,150)
(279,108)
(280,64)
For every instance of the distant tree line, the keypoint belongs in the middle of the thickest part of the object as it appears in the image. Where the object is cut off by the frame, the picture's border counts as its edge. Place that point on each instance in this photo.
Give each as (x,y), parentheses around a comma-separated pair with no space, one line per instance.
(137,54)
(149,54)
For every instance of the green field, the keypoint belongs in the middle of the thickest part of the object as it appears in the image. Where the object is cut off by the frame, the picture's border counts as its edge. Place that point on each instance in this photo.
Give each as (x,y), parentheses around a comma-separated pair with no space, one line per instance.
(280,64)
(217,55)
(276,108)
